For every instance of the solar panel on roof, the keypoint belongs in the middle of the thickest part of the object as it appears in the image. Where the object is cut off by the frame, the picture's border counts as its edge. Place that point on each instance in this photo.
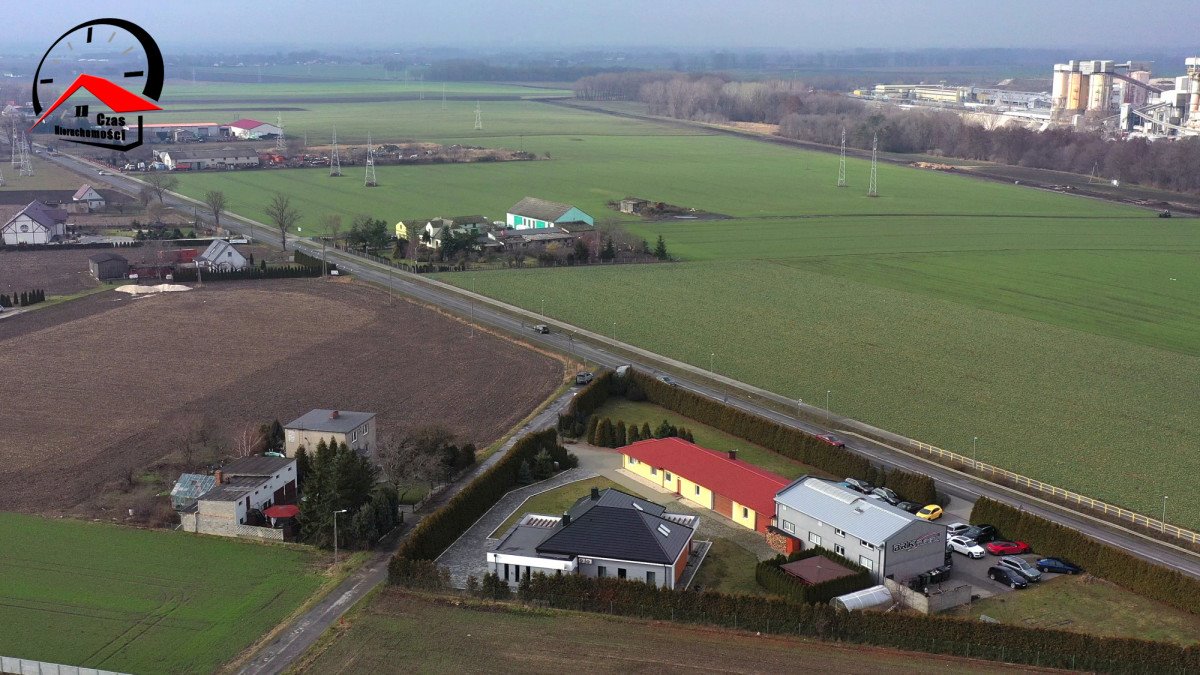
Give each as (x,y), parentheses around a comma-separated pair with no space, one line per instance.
(664,530)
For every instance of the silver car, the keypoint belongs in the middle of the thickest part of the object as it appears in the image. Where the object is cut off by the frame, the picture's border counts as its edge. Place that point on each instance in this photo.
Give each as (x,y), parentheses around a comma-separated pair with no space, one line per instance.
(1020,566)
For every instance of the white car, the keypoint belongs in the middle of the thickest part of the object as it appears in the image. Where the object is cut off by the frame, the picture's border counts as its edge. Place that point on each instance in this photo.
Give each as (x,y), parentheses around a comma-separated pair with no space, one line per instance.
(966,546)
(955,529)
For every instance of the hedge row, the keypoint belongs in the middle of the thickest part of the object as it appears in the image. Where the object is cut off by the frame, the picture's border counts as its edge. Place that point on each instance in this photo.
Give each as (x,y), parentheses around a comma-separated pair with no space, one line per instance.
(1122,568)
(932,634)
(250,273)
(439,529)
(22,299)
(302,258)
(771,577)
(782,439)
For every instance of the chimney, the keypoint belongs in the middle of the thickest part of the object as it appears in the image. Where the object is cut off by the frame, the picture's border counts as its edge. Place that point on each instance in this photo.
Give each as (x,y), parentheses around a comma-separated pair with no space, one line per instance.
(566,519)
(334,415)
(217,477)
(733,454)
(595,494)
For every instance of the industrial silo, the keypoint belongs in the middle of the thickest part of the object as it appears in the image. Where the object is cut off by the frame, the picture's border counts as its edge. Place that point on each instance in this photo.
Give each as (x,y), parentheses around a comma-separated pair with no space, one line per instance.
(1058,91)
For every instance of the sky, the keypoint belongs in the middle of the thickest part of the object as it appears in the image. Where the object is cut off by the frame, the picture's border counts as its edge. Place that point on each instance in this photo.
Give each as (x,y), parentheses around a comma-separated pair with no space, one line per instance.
(701,25)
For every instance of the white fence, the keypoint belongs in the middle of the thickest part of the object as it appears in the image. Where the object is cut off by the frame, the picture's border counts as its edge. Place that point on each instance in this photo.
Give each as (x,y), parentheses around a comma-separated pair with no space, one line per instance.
(17,666)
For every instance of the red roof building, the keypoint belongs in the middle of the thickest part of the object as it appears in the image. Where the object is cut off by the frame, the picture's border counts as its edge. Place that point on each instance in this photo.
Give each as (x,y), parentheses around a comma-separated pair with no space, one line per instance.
(715,480)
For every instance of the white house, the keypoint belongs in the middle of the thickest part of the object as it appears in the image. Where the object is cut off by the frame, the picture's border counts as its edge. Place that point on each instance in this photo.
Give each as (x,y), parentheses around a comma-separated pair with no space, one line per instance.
(247,129)
(86,194)
(221,256)
(35,224)
(239,487)
(534,213)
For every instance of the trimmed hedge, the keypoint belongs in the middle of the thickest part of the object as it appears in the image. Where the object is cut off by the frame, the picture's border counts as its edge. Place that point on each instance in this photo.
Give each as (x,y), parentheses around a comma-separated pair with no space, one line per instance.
(250,273)
(771,577)
(587,401)
(302,258)
(785,440)
(932,634)
(439,529)
(1122,568)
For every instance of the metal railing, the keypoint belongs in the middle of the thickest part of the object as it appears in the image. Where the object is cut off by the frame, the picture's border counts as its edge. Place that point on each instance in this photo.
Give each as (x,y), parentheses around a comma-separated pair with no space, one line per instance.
(996,474)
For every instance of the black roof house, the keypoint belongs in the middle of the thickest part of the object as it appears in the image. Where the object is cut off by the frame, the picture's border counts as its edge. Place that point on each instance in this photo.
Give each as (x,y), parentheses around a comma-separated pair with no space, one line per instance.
(613,524)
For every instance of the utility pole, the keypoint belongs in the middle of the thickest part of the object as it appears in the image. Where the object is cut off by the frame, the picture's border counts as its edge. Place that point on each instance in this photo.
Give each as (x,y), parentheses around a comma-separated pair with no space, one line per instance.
(842,162)
(335,536)
(873,190)
(443,97)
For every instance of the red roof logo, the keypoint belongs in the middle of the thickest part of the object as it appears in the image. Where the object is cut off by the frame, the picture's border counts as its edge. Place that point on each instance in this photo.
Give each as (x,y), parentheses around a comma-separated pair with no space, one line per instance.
(118,99)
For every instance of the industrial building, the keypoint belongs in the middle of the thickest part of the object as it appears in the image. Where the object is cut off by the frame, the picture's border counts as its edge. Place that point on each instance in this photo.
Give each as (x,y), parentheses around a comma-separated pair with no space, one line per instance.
(248,129)
(180,132)
(191,159)
(1124,96)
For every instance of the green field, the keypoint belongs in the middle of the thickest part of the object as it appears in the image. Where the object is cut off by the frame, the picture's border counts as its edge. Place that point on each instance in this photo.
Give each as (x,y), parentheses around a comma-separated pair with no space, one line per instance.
(140,601)
(1059,330)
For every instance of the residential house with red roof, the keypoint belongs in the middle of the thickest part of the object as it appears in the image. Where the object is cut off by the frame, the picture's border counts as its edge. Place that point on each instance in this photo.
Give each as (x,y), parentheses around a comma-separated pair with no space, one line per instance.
(719,481)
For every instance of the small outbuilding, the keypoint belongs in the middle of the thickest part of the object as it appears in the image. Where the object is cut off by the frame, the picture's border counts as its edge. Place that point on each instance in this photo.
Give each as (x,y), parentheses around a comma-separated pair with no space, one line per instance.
(875,596)
(106,266)
(816,569)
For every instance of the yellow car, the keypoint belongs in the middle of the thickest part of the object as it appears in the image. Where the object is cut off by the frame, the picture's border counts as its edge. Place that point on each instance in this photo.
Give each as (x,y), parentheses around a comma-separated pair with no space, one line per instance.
(931,512)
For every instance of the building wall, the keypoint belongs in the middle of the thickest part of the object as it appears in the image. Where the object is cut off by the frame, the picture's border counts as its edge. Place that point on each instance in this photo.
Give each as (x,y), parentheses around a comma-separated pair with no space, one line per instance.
(194,522)
(36,234)
(525,222)
(804,528)
(575,216)
(917,548)
(643,470)
(664,575)
(361,439)
(745,516)
(688,490)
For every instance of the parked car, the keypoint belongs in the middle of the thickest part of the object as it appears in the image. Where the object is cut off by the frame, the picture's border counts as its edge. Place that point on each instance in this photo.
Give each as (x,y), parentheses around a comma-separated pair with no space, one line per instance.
(831,440)
(1058,566)
(911,507)
(584,377)
(859,485)
(666,379)
(886,495)
(965,546)
(955,529)
(982,533)
(1007,577)
(1001,547)
(1020,566)
(541,328)
(930,512)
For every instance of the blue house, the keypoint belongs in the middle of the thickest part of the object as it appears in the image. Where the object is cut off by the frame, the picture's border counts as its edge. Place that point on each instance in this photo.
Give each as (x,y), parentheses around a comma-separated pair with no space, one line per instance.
(534,213)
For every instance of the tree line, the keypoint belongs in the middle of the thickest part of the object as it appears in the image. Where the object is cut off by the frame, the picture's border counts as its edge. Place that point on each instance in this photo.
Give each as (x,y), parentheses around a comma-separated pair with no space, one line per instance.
(22,299)
(807,114)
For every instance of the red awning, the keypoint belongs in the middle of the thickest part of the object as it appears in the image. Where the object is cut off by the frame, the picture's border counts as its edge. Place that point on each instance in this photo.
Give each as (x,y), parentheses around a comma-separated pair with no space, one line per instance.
(282,511)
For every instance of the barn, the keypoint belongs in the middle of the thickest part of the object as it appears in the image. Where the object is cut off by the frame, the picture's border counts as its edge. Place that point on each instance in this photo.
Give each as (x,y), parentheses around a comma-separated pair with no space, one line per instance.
(108,265)
(248,129)
(534,213)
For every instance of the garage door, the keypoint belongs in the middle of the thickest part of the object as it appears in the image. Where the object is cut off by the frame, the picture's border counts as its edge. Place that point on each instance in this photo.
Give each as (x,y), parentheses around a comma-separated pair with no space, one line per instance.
(724,505)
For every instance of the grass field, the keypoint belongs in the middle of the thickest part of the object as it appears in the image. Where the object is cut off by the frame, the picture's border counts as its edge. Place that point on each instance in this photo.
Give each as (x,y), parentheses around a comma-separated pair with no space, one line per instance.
(400,633)
(556,501)
(136,601)
(1090,605)
(728,568)
(1058,330)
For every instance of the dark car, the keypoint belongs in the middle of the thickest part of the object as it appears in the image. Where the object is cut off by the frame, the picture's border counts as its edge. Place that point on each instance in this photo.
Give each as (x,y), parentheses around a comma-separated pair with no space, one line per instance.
(831,440)
(911,507)
(886,495)
(666,379)
(982,534)
(859,485)
(1058,566)
(541,328)
(1007,577)
(1020,566)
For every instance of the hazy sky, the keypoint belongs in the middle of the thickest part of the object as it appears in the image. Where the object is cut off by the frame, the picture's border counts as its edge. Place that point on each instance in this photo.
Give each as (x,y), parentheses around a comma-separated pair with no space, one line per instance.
(688,24)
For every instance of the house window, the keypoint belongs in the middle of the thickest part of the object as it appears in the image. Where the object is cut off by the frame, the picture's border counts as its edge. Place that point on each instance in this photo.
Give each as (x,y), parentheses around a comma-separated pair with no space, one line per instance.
(632,461)
(697,489)
(620,572)
(745,512)
(653,471)
(601,571)
(867,544)
(866,562)
(506,571)
(814,538)
(789,526)
(839,549)
(650,578)
(667,475)
(840,533)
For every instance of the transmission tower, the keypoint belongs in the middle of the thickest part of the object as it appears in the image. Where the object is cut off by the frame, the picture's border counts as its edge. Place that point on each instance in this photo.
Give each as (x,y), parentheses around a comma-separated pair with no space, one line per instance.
(478,117)
(26,165)
(335,160)
(842,162)
(369,180)
(16,153)
(280,145)
(873,190)
(443,97)
(1,178)
(421,86)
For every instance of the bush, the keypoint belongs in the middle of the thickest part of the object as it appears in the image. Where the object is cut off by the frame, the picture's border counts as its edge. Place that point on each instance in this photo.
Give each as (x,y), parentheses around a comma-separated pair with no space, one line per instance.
(771,577)
(185,274)
(1102,560)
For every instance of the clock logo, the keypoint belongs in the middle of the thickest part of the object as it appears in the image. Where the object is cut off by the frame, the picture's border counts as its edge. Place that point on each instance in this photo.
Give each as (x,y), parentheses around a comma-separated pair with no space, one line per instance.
(114,69)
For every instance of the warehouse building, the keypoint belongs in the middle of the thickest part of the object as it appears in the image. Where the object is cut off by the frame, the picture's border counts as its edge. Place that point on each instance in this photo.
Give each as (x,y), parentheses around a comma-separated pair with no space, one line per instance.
(247,129)
(179,132)
(192,159)
(891,542)
(533,213)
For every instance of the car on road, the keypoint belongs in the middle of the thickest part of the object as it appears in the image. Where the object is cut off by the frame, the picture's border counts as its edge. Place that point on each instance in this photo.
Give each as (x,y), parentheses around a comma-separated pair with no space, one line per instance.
(982,533)
(955,529)
(830,439)
(1007,577)
(665,379)
(584,377)
(859,485)
(965,546)
(911,507)
(1058,566)
(1001,547)
(886,495)
(930,512)
(101,172)
(1020,566)
(541,328)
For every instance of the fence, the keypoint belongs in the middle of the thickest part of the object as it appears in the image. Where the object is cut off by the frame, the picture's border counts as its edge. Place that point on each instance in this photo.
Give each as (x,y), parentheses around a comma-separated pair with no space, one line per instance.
(17,666)
(1004,477)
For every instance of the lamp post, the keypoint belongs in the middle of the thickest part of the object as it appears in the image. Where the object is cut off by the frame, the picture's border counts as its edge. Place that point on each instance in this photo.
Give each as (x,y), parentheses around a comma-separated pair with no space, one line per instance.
(543,309)
(614,330)
(974,462)
(335,539)
(799,402)
(711,356)
(1164,518)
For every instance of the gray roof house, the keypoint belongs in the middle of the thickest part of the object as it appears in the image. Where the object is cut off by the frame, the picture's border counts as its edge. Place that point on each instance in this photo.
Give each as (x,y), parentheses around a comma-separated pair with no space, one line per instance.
(37,223)
(238,489)
(222,256)
(605,534)
(355,429)
(889,541)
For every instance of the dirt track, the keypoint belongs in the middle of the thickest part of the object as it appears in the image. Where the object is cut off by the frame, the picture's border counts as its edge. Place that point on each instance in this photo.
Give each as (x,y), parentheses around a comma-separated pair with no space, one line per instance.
(98,386)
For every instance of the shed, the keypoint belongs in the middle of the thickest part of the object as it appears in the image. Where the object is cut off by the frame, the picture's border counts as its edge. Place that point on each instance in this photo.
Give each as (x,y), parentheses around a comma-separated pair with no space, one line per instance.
(108,266)
(816,569)
(875,596)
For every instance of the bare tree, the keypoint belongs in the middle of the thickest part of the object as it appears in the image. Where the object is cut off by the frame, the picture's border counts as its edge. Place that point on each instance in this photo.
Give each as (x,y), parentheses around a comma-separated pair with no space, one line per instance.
(332,223)
(413,458)
(248,441)
(161,182)
(215,199)
(154,213)
(281,213)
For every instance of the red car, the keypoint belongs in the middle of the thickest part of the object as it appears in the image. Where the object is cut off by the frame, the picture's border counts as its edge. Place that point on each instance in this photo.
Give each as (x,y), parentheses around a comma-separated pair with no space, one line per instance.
(1006,547)
(831,440)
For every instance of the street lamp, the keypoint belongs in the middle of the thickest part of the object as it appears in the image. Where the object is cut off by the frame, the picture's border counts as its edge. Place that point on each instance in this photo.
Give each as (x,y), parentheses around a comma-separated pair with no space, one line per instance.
(974,441)
(1164,518)
(614,330)
(335,539)
(711,356)
(543,309)
(799,402)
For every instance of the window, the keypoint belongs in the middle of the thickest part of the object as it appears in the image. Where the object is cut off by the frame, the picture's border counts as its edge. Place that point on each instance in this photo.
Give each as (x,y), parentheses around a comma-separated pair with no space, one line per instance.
(506,571)
(840,533)
(745,512)
(667,476)
(697,489)
(789,526)
(602,571)
(839,549)
(650,578)
(814,538)
(632,461)
(867,544)
(866,562)
(620,572)
(653,471)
